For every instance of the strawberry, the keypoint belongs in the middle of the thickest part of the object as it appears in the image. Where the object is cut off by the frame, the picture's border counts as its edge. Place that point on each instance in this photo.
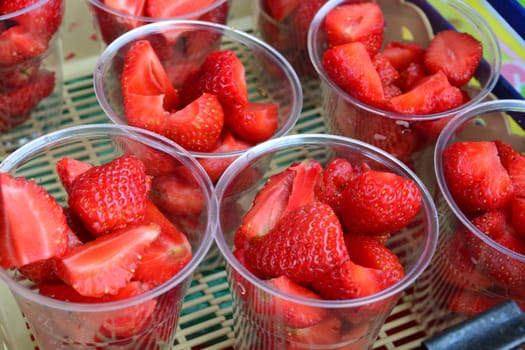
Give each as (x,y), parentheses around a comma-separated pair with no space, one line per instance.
(256,123)
(360,78)
(175,8)
(283,192)
(514,162)
(154,120)
(304,245)
(68,169)
(78,230)
(111,25)
(431,95)
(111,195)
(64,292)
(280,9)
(18,44)
(33,224)
(517,214)
(378,202)
(221,74)
(216,165)
(127,7)
(324,332)
(294,315)
(387,72)
(143,74)
(15,105)
(18,75)
(106,264)
(411,75)
(300,23)
(198,126)
(431,129)
(455,54)
(470,303)
(177,196)
(475,176)
(358,22)
(336,175)
(167,255)
(402,54)
(157,162)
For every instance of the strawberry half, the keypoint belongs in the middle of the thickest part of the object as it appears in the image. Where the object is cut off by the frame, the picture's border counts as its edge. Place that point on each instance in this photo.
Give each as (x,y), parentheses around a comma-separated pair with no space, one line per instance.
(402,54)
(112,195)
(304,245)
(17,44)
(359,22)
(514,162)
(256,123)
(176,196)
(33,224)
(455,54)
(105,265)
(335,178)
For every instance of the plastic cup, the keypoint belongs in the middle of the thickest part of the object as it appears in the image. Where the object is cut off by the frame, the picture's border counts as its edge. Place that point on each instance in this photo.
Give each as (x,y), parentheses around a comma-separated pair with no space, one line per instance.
(110,23)
(357,321)
(59,324)
(404,135)
(30,72)
(456,272)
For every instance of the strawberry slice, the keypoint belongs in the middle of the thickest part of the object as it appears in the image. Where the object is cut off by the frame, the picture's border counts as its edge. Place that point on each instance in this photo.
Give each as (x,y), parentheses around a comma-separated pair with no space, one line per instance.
(18,75)
(517,214)
(377,202)
(222,73)
(154,120)
(111,195)
(177,196)
(387,72)
(175,8)
(105,265)
(411,76)
(335,178)
(304,245)
(326,331)
(358,22)
(198,126)
(64,292)
(128,7)
(402,54)
(34,224)
(351,68)
(17,44)
(455,54)
(68,169)
(475,176)
(256,123)
(300,22)
(514,162)
(283,192)
(280,9)
(143,74)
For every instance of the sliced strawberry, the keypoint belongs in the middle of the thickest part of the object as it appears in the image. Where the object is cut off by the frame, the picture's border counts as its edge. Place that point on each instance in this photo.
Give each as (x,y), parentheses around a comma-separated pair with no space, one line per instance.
(256,123)
(128,7)
(111,25)
(177,196)
(175,8)
(411,76)
(322,333)
(336,175)
(358,22)
(431,129)
(351,68)
(17,44)
(64,292)
(517,214)
(280,9)
(300,24)
(402,54)
(34,224)
(304,245)
(222,73)
(156,161)
(215,166)
(470,303)
(432,94)
(475,176)
(155,118)
(294,315)
(387,72)
(111,195)
(16,105)
(167,255)
(105,265)
(68,169)
(514,162)
(143,74)
(78,230)
(18,75)
(283,192)
(198,126)
(455,54)
(378,202)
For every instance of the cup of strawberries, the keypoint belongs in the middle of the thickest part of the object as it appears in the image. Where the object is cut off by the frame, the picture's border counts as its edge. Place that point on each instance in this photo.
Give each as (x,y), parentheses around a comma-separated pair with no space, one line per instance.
(94,255)
(480,260)
(322,242)
(30,69)
(394,72)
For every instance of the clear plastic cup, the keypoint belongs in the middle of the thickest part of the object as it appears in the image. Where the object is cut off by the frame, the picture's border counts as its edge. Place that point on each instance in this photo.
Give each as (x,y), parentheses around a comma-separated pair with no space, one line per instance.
(356,321)
(110,23)
(457,273)
(30,72)
(59,324)
(406,136)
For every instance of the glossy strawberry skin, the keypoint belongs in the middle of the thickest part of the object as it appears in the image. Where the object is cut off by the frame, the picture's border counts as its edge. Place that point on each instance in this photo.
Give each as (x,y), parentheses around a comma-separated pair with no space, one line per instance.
(296,246)
(111,196)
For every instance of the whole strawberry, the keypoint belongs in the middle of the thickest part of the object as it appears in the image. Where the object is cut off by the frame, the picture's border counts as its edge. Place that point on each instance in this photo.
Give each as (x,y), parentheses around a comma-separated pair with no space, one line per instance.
(110,196)
(378,202)
(304,245)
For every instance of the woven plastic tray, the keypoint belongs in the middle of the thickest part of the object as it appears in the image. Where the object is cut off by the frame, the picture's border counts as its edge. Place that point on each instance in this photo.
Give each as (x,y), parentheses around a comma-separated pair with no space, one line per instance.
(206,321)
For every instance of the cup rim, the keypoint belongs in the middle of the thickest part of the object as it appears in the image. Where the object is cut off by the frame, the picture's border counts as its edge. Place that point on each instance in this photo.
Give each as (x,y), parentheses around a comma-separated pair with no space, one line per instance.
(246,39)
(504,105)
(61,136)
(431,216)
(461,7)
(23,11)
(101,5)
